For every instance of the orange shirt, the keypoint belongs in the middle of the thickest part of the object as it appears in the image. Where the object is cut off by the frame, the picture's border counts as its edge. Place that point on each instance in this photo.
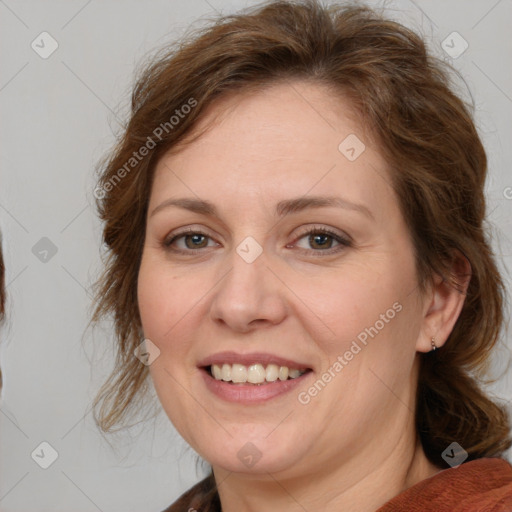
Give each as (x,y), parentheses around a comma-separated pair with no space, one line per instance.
(482,485)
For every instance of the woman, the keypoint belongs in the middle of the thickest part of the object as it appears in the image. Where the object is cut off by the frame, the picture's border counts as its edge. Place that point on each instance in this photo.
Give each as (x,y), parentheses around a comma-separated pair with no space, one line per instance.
(294,218)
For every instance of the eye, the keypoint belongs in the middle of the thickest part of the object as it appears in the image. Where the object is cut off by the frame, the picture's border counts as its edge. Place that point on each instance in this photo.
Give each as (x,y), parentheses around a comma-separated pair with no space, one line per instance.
(192,239)
(321,240)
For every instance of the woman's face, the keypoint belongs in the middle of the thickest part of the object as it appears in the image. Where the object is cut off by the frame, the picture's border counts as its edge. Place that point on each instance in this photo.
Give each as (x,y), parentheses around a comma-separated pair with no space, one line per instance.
(252,283)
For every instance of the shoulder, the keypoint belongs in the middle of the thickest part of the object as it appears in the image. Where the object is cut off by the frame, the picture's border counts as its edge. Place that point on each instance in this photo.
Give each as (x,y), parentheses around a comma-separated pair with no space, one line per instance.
(476,486)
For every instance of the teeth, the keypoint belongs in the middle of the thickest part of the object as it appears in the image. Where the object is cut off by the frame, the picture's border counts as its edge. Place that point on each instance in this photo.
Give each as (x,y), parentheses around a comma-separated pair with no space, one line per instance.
(272,373)
(254,374)
(217,371)
(293,374)
(238,373)
(226,372)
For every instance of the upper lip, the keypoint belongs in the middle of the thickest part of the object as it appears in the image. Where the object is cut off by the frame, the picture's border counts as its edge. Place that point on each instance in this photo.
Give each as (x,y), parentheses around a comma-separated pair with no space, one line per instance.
(263,358)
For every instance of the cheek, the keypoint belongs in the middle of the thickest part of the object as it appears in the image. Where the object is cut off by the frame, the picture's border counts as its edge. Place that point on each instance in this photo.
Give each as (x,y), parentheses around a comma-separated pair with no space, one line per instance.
(151,306)
(162,299)
(162,303)
(170,309)
(348,301)
(367,321)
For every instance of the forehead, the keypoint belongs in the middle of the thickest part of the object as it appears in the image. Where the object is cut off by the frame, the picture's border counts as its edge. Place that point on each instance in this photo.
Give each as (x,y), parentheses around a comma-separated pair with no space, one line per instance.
(285,140)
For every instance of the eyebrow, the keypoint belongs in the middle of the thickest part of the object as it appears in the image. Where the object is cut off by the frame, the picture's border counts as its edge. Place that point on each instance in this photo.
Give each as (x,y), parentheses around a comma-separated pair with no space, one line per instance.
(282,208)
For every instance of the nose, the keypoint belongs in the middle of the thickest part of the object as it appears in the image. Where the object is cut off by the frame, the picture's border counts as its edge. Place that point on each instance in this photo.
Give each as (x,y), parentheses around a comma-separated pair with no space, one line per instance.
(249,296)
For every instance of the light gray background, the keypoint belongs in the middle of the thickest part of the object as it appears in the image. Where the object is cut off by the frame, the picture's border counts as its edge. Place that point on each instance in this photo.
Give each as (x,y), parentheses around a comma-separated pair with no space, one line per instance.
(58,118)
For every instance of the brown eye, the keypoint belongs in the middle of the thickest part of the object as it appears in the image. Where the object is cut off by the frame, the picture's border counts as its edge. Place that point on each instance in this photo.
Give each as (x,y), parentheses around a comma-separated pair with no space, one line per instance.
(321,240)
(196,241)
(193,240)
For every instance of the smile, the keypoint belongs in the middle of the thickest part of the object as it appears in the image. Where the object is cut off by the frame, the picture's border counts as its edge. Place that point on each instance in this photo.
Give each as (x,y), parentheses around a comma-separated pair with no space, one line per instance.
(251,378)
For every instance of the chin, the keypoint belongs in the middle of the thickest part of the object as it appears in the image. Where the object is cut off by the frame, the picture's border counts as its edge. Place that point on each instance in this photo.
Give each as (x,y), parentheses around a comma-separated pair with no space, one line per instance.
(255,454)
(275,463)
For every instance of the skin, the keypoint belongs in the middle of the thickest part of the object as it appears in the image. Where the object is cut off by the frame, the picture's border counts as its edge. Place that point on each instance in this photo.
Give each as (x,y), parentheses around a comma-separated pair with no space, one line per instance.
(353,446)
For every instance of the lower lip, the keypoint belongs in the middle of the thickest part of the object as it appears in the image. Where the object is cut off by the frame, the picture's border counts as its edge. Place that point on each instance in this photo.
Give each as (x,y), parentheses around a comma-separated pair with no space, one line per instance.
(250,393)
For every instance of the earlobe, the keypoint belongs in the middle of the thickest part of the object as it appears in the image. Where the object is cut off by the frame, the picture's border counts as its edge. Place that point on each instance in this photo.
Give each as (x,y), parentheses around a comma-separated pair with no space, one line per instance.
(445,302)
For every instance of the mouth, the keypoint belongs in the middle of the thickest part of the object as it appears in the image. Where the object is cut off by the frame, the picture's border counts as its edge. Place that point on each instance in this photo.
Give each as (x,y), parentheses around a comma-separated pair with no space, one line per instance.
(251,378)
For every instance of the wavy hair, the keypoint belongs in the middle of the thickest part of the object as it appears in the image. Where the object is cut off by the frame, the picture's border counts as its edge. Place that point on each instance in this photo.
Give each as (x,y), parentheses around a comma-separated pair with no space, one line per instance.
(2,295)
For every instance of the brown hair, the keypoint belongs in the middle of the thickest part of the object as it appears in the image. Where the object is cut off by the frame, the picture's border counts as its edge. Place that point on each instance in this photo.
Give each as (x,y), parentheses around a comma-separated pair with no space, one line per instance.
(2,282)
(425,132)
(2,295)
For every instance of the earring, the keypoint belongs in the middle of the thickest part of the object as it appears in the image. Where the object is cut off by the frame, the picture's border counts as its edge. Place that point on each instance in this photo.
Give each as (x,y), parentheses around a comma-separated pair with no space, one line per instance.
(434,347)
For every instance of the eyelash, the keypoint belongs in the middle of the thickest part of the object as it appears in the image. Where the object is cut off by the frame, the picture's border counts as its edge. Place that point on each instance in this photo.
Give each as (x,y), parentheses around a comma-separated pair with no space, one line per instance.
(343,242)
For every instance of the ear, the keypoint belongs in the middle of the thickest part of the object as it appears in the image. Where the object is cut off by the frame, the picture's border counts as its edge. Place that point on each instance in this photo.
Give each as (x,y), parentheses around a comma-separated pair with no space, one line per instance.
(443,303)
